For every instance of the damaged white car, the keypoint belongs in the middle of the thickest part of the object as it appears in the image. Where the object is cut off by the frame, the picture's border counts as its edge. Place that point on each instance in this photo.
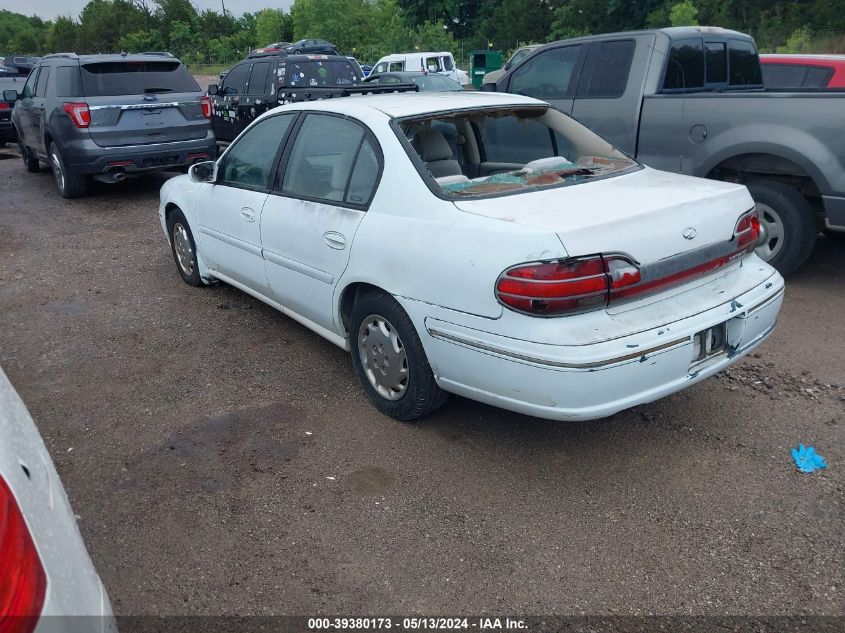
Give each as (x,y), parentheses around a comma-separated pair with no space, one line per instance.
(480,244)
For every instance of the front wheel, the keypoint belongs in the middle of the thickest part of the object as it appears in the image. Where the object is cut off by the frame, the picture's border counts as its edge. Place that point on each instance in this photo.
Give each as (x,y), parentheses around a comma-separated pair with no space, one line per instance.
(184,249)
(390,361)
(788,222)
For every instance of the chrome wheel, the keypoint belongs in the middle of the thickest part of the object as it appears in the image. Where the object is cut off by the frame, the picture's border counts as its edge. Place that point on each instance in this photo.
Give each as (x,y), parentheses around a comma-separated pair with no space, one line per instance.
(773,232)
(184,250)
(383,357)
(58,172)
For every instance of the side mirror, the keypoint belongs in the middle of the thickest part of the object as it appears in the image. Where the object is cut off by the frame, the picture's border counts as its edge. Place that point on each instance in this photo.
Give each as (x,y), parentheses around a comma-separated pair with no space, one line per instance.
(11,95)
(206,171)
(212,89)
(508,65)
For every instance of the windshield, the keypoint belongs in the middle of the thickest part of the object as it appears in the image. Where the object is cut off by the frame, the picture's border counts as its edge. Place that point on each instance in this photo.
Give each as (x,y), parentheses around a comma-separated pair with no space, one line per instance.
(506,150)
(318,74)
(436,82)
(519,55)
(103,79)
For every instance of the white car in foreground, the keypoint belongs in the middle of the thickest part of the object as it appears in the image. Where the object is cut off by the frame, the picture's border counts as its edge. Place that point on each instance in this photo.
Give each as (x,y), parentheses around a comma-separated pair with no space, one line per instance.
(480,244)
(46,577)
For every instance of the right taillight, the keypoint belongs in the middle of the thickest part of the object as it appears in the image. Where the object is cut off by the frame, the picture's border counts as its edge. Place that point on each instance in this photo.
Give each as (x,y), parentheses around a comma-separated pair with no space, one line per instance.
(24,582)
(747,230)
(79,114)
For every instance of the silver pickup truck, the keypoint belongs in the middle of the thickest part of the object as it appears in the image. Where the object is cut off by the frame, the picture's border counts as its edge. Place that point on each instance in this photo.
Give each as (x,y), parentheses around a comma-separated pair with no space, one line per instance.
(691,100)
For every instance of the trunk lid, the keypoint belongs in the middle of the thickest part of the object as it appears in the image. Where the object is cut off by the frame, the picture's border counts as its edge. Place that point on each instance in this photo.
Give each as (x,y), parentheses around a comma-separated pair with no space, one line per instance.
(649,215)
(142,102)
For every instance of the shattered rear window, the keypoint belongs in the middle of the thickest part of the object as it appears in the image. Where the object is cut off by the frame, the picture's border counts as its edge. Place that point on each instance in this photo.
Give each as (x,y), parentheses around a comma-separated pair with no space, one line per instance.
(507,150)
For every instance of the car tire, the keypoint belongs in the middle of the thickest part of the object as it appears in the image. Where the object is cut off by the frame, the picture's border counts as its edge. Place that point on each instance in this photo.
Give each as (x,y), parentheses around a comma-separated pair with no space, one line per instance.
(69,184)
(184,248)
(390,361)
(30,161)
(790,225)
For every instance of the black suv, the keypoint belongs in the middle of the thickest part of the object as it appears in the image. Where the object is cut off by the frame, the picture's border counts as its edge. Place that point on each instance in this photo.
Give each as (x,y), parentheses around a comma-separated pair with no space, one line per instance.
(266,80)
(109,117)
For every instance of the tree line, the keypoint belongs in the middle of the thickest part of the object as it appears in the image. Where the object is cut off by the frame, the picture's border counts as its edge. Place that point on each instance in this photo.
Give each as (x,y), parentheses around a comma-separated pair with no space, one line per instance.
(369,29)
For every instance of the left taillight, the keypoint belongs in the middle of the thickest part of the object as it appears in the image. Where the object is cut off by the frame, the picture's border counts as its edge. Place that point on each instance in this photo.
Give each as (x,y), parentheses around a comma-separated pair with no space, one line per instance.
(5,105)
(78,113)
(24,583)
(206,107)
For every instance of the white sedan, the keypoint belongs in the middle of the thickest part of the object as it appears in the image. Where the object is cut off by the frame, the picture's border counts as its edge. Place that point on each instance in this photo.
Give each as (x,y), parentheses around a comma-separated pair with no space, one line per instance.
(44,566)
(480,244)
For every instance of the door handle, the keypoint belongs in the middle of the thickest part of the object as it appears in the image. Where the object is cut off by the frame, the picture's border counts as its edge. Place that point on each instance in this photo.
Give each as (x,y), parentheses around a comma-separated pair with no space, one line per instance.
(334,240)
(247,214)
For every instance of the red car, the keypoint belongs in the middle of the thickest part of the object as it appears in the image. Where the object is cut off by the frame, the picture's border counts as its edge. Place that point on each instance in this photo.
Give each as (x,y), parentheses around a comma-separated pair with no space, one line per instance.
(819,72)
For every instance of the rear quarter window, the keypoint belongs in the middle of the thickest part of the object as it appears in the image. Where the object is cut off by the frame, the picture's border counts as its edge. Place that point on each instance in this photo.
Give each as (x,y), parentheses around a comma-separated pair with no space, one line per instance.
(101,79)
(68,83)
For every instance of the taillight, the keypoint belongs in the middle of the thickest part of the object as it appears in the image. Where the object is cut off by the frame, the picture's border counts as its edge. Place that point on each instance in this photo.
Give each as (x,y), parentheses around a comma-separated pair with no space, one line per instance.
(79,114)
(747,230)
(4,106)
(24,583)
(206,107)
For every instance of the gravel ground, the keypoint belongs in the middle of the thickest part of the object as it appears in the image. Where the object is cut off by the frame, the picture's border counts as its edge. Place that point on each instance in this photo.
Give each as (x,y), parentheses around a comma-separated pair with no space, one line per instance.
(225,461)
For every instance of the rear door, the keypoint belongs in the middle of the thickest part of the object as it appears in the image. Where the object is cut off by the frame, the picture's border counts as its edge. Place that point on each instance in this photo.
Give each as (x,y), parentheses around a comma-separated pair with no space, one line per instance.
(551,76)
(137,102)
(608,93)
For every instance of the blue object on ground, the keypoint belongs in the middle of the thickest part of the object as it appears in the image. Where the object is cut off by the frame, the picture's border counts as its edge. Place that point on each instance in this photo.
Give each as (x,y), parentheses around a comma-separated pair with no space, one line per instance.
(807,459)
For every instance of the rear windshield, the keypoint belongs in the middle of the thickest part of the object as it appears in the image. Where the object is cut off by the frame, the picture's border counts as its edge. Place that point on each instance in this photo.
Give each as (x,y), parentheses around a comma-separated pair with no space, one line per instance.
(318,73)
(507,150)
(103,79)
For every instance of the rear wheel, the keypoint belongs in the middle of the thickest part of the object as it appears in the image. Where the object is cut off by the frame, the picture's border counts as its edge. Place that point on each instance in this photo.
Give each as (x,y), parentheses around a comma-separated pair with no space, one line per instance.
(390,361)
(790,228)
(69,184)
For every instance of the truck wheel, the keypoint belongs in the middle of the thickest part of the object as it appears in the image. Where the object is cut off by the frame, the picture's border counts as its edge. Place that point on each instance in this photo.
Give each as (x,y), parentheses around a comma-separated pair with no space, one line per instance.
(390,361)
(789,223)
(70,185)
(30,161)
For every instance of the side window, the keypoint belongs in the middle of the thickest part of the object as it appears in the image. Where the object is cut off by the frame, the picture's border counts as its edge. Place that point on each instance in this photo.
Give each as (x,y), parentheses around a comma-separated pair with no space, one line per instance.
(250,160)
(258,79)
(323,155)
(432,64)
(43,78)
(606,70)
(716,62)
(548,75)
(448,64)
(395,67)
(817,77)
(517,141)
(380,68)
(390,79)
(29,86)
(364,175)
(235,82)
(685,66)
(68,82)
(744,64)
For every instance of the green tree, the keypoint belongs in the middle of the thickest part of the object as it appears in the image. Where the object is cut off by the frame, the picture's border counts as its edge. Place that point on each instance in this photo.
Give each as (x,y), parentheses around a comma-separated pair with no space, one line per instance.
(683,14)
(64,35)
(102,23)
(273,25)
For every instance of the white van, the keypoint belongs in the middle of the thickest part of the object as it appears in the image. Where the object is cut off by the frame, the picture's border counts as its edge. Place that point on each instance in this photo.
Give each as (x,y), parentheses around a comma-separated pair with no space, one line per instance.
(442,63)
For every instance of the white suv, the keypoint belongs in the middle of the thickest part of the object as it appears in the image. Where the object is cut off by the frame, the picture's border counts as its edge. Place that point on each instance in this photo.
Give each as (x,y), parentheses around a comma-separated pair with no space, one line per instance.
(442,63)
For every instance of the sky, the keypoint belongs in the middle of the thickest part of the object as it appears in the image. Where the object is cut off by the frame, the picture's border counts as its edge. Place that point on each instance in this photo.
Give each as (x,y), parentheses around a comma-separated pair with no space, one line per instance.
(49,9)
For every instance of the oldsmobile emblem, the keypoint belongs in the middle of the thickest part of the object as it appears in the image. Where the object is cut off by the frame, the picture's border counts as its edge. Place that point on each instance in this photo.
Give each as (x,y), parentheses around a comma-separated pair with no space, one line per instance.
(690,233)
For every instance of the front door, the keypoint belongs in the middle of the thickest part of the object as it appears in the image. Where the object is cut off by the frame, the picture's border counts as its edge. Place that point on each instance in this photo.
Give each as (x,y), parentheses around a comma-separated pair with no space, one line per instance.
(37,114)
(24,110)
(229,210)
(309,222)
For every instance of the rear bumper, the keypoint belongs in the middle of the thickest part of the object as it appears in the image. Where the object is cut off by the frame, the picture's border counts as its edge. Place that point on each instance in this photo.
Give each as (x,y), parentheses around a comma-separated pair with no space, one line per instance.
(86,157)
(583,382)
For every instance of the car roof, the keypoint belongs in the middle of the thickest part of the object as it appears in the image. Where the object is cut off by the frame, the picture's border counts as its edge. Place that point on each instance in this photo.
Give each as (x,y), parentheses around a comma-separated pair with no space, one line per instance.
(400,105)
(115,57)
(803,57)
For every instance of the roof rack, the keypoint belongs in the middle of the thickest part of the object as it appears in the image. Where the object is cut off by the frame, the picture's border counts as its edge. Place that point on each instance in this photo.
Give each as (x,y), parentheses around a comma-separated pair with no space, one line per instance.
(311,93)
(64,55)
(157,53)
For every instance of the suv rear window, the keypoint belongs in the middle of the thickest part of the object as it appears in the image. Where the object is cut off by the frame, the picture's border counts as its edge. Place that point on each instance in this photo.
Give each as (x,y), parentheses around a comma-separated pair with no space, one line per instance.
(319,73)
(103,79)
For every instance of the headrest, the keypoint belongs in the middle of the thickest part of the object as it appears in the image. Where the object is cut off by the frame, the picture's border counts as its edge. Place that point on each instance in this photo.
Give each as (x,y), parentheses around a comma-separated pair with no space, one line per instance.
(431,145)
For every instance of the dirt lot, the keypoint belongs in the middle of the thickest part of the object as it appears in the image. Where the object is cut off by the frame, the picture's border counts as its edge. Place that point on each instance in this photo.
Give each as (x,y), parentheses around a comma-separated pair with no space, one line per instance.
(222,458)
